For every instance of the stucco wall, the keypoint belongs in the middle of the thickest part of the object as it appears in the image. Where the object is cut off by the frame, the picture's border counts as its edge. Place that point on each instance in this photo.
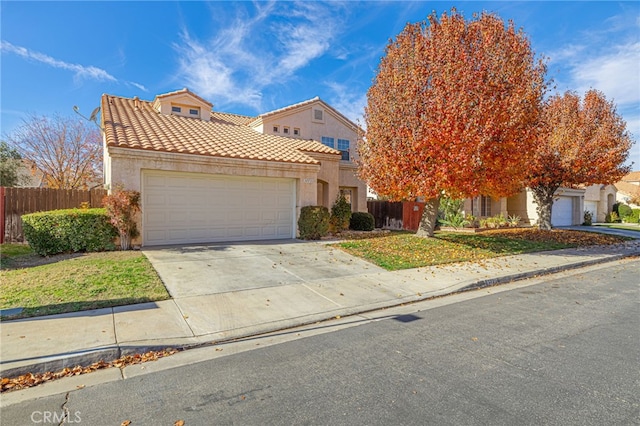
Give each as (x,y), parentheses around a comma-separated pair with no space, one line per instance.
(126,167)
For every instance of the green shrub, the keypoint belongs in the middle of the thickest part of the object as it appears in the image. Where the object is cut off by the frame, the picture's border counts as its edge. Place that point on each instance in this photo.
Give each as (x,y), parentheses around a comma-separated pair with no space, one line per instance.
(340,214)
(624,211)
(635,216)
(362,221)
(313,223)
(71,230)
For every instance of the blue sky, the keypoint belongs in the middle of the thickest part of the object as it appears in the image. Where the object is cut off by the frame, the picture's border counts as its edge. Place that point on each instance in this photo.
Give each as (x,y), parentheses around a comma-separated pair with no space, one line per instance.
(253,57)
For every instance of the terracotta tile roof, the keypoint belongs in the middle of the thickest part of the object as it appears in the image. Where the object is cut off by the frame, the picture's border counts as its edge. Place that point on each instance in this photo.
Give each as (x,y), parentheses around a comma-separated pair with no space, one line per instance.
(135,124)
(628,188)
(631,177)
(185,90)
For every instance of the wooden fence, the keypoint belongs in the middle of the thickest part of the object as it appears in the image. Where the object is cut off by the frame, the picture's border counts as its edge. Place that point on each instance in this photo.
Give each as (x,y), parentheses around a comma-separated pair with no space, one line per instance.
(399,215)
(14,202)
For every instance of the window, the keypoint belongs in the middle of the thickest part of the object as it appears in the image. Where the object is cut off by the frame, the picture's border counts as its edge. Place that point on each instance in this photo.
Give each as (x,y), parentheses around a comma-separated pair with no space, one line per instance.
(285,130)
(343,146)
(194,111)
(276,129)
(296,132)
(328,141)
(485,206)
(176,109)
(318,115)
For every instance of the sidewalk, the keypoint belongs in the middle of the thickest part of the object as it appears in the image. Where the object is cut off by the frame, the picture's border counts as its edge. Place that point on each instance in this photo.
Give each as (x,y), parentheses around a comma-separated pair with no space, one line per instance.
(53,342)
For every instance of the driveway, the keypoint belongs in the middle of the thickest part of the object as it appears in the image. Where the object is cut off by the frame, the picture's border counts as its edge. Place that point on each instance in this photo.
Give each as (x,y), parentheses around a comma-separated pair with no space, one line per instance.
(192,270)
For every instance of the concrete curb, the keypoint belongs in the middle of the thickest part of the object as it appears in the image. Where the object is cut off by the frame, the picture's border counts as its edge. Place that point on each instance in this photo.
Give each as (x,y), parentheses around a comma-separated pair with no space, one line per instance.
(109,353)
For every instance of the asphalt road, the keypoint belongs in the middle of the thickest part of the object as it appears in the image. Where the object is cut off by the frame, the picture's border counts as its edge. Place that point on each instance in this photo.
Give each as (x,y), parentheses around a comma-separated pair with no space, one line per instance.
(561,352)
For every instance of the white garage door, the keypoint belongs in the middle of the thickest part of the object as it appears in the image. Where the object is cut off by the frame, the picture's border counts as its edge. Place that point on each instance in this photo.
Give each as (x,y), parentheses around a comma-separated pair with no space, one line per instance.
(562,212)
(199,208)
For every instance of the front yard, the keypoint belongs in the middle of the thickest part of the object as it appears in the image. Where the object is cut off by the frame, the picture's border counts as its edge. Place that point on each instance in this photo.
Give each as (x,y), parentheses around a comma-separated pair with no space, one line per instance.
(75,282)
(83,281)
(402,250)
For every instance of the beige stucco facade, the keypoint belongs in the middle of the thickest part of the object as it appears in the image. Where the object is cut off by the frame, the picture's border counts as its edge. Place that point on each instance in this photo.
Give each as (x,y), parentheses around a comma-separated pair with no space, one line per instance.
(302,121)
(599,200)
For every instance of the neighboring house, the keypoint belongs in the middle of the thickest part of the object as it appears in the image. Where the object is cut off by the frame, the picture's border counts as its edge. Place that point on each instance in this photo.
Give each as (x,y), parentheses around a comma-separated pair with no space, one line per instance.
(628,189)
(29,176)
(568,207)
(207,176)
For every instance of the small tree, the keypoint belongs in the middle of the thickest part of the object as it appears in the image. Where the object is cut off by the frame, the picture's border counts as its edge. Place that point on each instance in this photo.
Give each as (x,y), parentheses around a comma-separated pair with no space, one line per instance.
(122,206)
(340,214)
(581,142)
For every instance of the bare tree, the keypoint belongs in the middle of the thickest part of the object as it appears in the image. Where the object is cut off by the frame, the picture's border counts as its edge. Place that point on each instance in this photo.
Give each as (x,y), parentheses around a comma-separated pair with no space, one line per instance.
(67,151)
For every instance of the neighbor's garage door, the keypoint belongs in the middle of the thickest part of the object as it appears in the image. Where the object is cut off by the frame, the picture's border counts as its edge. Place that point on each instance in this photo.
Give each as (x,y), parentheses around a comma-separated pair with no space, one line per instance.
(562,212)
(199,208)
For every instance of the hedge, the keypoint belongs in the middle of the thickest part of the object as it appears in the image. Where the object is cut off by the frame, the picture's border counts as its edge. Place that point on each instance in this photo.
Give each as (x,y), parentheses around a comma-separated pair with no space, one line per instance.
(313,223)
(362,221)
(69,230)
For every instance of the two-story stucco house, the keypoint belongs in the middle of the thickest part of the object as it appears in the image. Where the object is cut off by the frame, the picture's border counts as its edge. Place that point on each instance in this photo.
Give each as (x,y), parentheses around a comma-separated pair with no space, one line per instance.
(207,176)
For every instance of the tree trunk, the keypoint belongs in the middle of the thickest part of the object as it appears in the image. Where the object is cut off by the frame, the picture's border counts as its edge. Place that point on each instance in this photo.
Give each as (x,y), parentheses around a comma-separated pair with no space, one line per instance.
(543,197)
(429,218)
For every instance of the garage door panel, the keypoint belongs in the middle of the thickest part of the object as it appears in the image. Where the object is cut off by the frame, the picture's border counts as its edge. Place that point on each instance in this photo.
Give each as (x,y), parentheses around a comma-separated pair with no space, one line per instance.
(562,212)
(191,208)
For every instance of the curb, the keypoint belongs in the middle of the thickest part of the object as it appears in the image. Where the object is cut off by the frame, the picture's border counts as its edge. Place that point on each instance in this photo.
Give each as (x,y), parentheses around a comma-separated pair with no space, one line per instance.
(89,356)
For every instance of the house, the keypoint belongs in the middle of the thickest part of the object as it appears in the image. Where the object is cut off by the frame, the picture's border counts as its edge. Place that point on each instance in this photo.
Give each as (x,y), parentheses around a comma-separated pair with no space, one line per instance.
(629,189)
(208,176)
(568,208)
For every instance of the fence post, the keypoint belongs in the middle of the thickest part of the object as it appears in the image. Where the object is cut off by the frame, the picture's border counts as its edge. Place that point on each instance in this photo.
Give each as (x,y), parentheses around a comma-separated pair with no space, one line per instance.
(2,215)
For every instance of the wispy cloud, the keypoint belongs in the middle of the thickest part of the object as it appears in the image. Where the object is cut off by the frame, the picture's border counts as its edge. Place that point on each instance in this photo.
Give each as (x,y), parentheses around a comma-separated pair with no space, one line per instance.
(348,102)
(235,65)
(616,73)
(80,71)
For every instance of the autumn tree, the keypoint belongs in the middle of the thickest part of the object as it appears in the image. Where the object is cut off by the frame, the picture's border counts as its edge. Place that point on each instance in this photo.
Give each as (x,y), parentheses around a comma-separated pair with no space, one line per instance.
(67,151)
(452,110)
(581,142)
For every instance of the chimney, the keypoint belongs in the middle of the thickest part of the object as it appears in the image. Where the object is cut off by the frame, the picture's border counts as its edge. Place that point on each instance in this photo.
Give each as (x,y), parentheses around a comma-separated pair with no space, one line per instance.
(136,102)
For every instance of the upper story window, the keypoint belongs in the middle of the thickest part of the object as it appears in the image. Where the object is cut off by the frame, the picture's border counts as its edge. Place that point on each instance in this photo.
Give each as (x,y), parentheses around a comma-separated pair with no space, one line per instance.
(285,130)
(276,129)
(343,146)
(318,115)
(176,109)
(296,132)
(195,112)
(328,141)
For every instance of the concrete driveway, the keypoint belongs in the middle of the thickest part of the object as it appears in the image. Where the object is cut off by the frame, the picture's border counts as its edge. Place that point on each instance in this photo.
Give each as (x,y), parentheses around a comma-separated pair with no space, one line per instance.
(202,269)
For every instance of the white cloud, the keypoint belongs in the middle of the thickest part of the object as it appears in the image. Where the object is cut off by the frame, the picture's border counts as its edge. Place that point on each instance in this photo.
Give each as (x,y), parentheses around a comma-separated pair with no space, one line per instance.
(615,73)
(80,71)
(348,102)
(236,65)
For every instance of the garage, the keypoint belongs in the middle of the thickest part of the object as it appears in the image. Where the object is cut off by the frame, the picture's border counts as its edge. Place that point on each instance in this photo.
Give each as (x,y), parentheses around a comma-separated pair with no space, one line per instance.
(179,208)
(562,212)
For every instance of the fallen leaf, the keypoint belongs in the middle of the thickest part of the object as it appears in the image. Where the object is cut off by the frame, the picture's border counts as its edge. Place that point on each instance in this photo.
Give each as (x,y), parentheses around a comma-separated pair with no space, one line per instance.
(125,423)
(475,339)
(179,423)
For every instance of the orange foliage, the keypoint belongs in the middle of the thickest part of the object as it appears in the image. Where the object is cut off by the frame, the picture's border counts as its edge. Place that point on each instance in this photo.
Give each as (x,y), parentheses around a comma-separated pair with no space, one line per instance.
(581,142)
(453,108)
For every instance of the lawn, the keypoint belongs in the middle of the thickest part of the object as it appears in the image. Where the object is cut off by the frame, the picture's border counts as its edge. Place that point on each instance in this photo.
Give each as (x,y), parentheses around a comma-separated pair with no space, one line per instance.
(402,250)
(626,226)
(77,282)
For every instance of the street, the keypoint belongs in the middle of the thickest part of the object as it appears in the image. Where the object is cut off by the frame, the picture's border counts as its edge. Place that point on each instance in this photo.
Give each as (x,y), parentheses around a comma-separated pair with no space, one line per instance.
(563,351)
